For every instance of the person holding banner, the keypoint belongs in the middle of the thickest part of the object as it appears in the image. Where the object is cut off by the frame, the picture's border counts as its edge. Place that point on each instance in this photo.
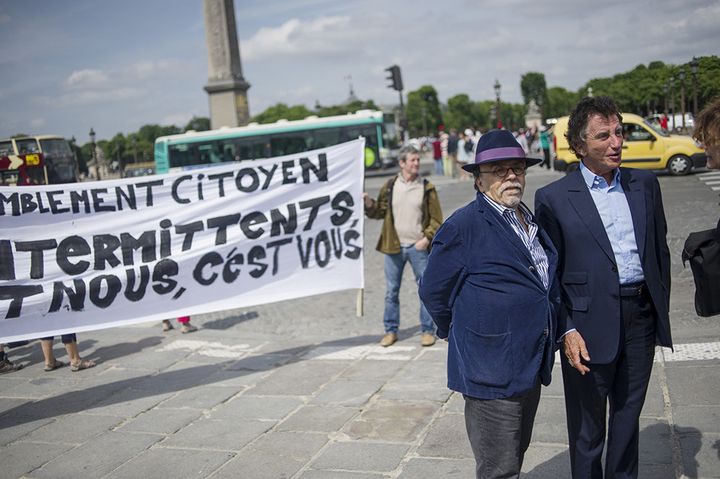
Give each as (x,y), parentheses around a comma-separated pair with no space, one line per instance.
(185,328)
(490,287)
(76,362)
(410,209)
(7,366)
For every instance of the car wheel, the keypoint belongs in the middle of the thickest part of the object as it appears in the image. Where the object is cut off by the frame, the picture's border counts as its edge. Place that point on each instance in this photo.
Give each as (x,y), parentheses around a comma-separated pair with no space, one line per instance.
(572,167)
(679,165)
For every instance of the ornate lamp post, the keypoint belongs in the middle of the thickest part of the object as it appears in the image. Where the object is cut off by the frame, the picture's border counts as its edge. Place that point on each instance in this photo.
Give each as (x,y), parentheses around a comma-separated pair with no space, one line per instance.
(694,70)
(94,154)
(497,87)
(665,92)
(681,76)
(671,82)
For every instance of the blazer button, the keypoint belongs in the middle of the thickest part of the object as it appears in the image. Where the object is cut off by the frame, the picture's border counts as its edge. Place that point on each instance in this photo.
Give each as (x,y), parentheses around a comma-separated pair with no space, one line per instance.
(614,269)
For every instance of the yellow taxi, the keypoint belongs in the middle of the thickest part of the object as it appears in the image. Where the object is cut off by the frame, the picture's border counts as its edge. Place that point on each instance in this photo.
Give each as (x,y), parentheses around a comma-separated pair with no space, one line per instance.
(644,146)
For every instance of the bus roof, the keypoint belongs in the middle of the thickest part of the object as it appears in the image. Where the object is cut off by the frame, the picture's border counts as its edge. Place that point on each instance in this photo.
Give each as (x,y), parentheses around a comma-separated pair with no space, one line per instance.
(361,117)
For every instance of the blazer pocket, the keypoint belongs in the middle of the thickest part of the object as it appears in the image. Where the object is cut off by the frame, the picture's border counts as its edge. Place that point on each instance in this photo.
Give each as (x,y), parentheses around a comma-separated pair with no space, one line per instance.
(488,358)
(579,277)
(579,304)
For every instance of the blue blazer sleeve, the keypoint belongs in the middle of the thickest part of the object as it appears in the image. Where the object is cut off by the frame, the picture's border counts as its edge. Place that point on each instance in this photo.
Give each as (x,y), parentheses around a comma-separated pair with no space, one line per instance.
(443,277)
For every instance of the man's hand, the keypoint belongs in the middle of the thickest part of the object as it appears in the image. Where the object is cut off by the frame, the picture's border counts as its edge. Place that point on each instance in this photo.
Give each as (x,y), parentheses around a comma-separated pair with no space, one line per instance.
(368,201)
(574,348)
(422,244)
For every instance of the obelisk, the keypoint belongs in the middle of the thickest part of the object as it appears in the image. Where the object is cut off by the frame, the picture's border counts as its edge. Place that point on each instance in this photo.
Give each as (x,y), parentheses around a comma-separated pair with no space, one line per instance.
(226,87)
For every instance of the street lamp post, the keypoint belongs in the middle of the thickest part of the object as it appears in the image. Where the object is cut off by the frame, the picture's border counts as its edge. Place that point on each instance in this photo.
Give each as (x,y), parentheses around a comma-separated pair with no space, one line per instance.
(94,154)
(694,70)
(665,92)
(497,87)
(671,81)
(681,76)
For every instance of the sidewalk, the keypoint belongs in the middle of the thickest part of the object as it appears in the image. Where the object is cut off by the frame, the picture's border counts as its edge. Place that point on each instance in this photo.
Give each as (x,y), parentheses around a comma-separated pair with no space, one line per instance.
(300,389)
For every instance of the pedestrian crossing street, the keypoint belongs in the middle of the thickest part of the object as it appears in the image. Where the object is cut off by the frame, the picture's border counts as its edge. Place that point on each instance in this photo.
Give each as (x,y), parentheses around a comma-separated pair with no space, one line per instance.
(712,180)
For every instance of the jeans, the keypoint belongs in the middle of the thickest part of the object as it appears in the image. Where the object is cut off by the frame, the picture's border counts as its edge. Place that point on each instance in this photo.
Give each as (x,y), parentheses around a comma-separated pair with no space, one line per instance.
(394,266)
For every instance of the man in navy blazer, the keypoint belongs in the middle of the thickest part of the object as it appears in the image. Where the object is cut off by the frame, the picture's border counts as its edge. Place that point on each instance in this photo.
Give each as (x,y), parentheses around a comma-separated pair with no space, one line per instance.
(609,228)
(490,288)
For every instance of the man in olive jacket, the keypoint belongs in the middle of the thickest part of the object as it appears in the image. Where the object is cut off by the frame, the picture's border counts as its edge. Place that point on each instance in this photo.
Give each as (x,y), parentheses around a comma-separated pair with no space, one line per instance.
(410,209)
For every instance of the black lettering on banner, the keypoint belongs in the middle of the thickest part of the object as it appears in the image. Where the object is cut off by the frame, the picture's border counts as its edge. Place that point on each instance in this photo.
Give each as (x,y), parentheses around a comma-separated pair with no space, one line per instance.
(165,240)
(249,221)
(55,203)
(321,170)
(256,254)
(146,242)
(76,296)
(99,200)
(247,173)
(12,200)
(322,258)
(209,259)
(16,294)
(337,245)
(70,247)
(189,231)
(221,223)
(149,185)
(342,213)
(104,247)
(304,251)
(314,204)
(7,261)
(287,223)
(273,244)
(113,287)
(353,250)
(27,203)
(200,196)
(220,177)
(128,196)
(287,171)
(268,175)
(131,292)
(36,248)
(79,196)
(230,274)
(162,273)
(174,189)
(41,207)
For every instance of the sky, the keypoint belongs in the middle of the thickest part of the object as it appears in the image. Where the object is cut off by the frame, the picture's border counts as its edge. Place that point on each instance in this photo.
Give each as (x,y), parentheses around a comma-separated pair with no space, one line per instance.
(69,65)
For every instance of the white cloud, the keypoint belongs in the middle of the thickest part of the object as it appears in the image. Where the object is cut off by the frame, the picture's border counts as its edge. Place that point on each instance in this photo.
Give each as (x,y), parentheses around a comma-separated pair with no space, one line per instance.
(37,122)
(86,78)
(319,35)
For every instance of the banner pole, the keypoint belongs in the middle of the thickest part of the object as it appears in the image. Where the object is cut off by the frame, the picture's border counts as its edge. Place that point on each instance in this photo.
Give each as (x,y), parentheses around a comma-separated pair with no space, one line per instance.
(359,303)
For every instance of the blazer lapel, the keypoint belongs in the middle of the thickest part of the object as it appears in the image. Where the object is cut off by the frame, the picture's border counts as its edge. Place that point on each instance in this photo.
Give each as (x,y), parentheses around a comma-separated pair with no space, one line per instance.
(584,206)
(638,210)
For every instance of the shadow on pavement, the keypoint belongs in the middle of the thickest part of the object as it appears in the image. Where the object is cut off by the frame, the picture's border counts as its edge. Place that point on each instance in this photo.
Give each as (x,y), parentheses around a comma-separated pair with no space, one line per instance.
(166,382)
(227,323)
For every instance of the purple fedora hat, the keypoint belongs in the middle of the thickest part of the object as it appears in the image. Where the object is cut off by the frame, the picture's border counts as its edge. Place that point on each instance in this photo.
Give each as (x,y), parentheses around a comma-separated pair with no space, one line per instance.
(498,145)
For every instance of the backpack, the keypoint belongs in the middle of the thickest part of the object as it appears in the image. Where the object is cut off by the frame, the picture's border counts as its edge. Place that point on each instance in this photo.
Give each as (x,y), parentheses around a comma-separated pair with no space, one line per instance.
(469,145)
(702,250)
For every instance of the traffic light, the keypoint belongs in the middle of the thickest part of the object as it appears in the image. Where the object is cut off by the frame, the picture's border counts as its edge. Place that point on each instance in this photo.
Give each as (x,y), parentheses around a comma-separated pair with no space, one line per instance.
(395,78)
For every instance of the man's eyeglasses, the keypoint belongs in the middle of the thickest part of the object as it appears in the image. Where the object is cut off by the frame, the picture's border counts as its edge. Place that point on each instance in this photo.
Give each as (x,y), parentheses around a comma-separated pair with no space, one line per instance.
(501,172)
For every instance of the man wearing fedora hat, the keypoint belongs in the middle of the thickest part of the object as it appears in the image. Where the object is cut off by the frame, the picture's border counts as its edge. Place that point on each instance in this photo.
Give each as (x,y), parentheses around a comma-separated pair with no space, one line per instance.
(490,288)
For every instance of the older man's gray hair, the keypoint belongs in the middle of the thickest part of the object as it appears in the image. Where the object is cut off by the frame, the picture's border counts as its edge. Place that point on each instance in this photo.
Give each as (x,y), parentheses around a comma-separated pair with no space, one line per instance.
(407,150)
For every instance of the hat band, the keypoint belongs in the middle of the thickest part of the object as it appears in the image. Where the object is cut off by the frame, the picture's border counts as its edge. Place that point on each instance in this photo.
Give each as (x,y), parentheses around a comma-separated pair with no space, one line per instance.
(499,153)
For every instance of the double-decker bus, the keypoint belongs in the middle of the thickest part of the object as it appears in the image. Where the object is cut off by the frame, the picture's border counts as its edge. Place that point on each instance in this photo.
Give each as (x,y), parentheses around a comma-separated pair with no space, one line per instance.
(42,159)
(254,141)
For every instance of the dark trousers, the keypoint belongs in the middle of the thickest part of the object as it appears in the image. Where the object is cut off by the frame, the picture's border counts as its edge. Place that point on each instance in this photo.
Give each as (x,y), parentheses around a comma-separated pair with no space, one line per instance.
(546,158)
(499,431)
(623,383)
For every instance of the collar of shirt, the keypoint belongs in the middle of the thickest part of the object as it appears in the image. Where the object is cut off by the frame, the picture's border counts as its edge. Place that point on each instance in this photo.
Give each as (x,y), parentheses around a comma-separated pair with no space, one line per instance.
(595,182)
(503,210)
(402,179)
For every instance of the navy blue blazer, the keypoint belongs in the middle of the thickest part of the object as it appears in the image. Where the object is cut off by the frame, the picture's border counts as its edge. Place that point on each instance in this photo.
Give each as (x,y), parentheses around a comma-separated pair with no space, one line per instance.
(587,271)
(483,292)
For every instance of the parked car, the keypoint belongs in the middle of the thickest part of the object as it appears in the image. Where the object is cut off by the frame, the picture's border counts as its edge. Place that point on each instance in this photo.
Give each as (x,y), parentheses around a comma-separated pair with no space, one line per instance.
(644,146)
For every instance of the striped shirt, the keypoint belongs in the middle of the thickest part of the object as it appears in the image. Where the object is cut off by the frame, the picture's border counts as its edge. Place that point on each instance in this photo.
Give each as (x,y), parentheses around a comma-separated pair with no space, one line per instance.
(529,237)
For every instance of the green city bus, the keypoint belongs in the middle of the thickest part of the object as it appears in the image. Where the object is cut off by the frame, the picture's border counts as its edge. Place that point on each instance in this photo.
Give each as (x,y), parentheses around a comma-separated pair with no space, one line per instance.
(197,149)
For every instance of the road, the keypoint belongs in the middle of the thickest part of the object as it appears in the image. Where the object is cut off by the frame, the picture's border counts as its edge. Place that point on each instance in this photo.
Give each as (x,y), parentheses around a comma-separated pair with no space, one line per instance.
(300,389)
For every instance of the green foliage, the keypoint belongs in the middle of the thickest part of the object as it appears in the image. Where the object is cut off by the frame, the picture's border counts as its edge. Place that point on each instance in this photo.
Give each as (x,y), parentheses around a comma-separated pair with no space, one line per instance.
(351,107)
(560,102)
(281,111)
(533,87)
(459,113)
(423,111)
(198,123)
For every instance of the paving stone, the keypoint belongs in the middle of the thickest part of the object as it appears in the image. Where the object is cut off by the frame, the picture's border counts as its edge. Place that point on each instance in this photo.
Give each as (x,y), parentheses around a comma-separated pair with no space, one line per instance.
(96,457)
(391,421)
(275,455)
(456,403)
(422,468)
(701,418)
(347,393)
(318,418)
(656,471)
(39,388)
(8,404)
(161,421)
(700,454)
(221,435)
(182,375)
(261,362)
(236,378)
(20,458)
(14,427)
(361,456)
(128,403)
(311,474)
(372,370)
(696,386)
(248,406)
(655,442)
(654,401)
(299,379)
(74,429)
(545,461)
(176,463)
(550,422)
(447,438)
(204,397)
(428,389)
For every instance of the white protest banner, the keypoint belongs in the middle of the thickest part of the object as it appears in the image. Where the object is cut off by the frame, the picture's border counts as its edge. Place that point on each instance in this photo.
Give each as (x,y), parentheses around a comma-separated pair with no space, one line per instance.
(79,257)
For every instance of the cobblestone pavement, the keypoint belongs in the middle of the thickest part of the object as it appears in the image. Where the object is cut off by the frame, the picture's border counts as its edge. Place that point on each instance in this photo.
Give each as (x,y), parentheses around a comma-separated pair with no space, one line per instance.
(300,389)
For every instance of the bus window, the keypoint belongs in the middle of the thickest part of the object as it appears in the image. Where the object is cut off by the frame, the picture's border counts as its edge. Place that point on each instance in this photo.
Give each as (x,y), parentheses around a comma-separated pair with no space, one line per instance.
(326,137)
(289,143)
(27,146)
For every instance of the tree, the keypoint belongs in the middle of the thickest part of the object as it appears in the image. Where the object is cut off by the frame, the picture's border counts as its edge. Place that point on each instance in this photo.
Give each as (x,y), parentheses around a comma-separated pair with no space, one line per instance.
(280,111)
(459,113)
(560,102)
(423,111)
(533,87)
(198,123)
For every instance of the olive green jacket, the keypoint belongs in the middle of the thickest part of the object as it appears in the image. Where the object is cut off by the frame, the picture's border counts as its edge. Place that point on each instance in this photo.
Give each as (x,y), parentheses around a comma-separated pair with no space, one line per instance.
(432,218)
